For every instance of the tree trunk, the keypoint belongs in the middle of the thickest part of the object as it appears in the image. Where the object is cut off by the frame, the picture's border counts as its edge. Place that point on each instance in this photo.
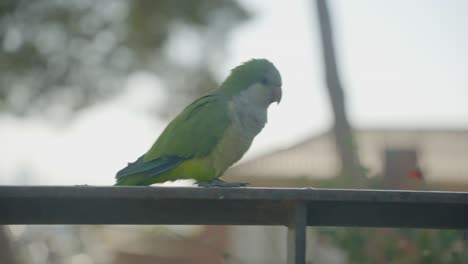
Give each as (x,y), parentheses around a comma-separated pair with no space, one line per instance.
(350,165)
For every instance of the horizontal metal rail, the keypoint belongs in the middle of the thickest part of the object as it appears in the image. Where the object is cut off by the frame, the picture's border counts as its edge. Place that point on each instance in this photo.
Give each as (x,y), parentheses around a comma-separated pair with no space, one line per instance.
(230,206)
(294,208)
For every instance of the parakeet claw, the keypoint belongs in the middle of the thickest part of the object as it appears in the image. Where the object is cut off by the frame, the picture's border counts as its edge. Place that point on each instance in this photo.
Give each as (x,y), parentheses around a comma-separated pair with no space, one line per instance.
(220,183)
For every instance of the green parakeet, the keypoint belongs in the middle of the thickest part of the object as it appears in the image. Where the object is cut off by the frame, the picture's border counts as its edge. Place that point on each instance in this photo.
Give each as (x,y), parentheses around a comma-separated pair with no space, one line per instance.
(213,132)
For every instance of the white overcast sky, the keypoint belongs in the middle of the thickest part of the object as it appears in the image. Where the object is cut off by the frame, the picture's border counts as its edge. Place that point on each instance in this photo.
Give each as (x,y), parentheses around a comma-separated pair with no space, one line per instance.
(403,64)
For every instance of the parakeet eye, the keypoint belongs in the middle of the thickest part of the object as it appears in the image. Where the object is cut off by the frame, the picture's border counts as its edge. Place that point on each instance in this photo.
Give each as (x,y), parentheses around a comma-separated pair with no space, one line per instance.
(264,81)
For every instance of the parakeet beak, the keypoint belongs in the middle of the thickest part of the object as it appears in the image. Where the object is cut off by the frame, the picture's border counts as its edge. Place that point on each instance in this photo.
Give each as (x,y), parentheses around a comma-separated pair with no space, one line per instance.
(277,94)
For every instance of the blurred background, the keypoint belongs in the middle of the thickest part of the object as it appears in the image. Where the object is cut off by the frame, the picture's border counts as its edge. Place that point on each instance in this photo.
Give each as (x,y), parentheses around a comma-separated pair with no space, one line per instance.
(374,96)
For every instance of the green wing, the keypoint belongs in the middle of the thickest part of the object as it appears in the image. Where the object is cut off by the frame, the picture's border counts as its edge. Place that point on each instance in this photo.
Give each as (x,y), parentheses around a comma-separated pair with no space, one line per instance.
(195,131)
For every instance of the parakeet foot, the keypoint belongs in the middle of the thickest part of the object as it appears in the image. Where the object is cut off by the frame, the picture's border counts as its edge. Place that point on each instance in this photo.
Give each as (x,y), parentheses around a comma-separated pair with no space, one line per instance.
(220,183)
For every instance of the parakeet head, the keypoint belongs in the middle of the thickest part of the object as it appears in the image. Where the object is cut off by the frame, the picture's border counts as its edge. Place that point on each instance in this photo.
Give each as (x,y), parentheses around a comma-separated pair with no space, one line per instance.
(259,76)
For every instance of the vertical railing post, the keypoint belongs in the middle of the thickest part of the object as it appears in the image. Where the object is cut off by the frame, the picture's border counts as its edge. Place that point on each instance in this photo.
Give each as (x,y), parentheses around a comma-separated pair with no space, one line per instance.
(297,234)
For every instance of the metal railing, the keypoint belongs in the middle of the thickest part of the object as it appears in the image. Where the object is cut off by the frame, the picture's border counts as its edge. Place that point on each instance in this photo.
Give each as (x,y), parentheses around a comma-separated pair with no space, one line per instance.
(294,208)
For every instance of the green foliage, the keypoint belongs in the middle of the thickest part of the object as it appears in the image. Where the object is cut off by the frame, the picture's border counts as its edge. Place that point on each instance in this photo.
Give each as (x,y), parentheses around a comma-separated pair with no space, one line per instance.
(68,55)
(384,245)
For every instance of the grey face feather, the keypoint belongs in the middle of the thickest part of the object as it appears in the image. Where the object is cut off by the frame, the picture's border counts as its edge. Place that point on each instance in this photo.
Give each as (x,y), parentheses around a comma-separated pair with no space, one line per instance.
(272,81)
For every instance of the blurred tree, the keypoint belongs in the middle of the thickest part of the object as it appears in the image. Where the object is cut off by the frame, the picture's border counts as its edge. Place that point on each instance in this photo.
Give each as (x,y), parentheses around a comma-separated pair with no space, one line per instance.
(344,139)
(58,57)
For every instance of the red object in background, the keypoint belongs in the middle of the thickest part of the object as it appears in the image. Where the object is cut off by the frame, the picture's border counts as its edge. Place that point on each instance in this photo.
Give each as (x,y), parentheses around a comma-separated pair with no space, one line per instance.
(415,173)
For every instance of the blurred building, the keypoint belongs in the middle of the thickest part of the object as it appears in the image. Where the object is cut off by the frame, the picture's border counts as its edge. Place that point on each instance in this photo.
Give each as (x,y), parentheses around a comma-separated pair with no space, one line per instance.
(440,156)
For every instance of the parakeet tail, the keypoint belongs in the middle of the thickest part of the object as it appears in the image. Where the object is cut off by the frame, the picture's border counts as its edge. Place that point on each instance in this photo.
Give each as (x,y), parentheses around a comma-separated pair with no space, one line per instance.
(143,172)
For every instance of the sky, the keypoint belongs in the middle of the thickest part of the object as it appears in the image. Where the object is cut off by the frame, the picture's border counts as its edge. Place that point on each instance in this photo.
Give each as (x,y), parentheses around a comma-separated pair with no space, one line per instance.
(403,65)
